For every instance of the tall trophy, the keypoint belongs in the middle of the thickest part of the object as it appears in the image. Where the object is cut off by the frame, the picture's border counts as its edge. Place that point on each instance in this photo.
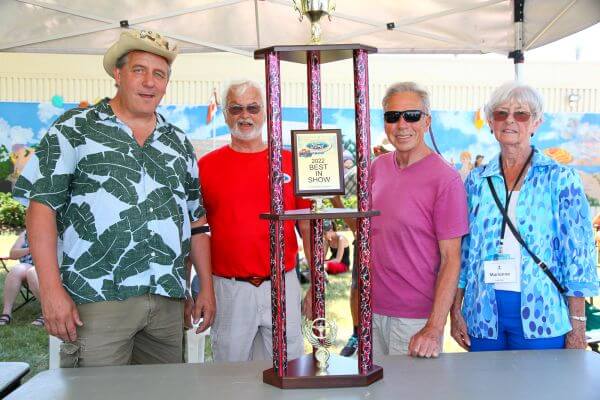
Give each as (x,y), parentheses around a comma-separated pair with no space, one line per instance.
(318,369)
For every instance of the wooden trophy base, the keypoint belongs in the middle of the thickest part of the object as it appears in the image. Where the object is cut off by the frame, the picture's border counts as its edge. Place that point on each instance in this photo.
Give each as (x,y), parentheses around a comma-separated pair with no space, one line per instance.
(341,372)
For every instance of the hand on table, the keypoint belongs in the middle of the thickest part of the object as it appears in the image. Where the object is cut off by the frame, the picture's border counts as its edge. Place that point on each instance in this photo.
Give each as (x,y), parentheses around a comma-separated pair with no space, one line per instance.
(426,343)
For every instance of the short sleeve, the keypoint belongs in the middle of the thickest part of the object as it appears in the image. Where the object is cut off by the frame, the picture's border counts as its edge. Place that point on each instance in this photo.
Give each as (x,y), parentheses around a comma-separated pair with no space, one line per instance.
(450,211)
(194,200)
(48,174)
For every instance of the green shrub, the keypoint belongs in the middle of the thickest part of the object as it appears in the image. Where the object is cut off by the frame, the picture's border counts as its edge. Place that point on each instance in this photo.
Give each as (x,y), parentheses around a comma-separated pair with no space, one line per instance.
(5,162)
(12,213)
(349,202)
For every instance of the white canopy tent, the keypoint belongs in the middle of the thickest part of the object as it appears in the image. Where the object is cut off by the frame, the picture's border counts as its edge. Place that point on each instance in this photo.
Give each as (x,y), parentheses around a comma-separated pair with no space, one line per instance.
(242,26)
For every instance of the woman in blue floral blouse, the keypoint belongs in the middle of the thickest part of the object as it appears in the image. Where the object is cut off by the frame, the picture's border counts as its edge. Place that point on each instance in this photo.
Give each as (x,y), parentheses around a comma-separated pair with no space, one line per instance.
(508,301)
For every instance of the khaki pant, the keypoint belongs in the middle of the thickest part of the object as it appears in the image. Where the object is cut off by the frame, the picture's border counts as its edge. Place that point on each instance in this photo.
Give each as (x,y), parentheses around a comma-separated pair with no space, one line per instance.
(145,329)
(391,335)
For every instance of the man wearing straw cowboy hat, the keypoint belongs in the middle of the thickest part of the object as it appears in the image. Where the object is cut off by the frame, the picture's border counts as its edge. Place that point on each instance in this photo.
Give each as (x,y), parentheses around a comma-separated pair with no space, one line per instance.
(118,185)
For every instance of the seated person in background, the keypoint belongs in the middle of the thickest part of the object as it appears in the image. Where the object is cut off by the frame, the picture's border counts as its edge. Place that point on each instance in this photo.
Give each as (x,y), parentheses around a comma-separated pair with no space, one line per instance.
(19,274)
(340,250)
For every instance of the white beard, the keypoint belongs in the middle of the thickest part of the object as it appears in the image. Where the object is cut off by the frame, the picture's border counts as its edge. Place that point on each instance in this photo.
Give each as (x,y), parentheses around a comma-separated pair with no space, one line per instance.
(253,134)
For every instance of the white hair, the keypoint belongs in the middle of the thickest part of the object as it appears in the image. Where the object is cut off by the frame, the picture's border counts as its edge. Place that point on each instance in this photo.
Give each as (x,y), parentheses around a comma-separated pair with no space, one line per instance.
(402,87)
(520,93)
(238,88)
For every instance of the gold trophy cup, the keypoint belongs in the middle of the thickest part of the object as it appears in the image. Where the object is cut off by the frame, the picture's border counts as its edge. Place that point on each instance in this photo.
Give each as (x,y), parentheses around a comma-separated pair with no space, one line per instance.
(314,11)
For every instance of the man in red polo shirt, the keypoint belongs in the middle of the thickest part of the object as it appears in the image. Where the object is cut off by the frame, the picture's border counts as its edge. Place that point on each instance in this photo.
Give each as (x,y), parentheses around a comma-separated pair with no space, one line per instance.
(235,189)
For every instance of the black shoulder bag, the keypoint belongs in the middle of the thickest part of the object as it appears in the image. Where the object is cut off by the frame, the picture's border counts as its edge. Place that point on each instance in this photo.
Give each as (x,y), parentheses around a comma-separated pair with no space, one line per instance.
(517,236)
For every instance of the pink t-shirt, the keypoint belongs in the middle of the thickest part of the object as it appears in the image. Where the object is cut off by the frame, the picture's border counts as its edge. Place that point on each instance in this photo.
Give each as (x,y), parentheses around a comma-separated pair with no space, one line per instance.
(420,205)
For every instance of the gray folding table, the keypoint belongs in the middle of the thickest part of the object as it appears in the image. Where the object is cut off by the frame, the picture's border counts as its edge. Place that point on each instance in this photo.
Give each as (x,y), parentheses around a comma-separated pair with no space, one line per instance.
(514,375)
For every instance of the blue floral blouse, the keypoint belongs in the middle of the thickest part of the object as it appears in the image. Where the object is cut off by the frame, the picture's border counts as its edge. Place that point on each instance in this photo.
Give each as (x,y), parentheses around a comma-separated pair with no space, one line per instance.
(553,217)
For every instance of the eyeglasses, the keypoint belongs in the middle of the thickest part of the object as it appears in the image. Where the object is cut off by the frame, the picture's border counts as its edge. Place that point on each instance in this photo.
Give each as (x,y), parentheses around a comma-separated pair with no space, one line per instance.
(237,109)
(519,116)
(391,117)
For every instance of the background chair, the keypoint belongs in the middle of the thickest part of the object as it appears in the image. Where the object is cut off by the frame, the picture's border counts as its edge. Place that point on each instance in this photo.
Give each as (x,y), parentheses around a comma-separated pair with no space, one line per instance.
(194,345)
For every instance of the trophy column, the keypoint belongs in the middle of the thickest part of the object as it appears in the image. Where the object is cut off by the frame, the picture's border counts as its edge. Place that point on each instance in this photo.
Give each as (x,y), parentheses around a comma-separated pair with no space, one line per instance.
(363,146)
(276,225)
(317,270)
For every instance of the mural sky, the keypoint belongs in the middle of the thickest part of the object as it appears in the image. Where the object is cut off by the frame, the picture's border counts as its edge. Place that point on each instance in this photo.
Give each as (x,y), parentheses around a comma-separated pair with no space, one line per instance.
(571,138)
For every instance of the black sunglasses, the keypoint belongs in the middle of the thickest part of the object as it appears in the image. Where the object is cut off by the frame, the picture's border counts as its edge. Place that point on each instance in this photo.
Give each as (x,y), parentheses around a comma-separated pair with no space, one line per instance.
(237,109)
(391,117)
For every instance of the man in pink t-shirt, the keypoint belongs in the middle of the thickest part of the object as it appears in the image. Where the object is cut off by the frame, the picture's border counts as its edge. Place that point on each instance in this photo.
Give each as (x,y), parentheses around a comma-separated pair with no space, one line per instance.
(416,240)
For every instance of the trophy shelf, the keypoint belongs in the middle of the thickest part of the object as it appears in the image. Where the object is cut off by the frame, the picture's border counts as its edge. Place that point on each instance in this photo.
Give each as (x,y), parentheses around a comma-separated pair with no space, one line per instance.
(302,373)
(329,52)
(328,213)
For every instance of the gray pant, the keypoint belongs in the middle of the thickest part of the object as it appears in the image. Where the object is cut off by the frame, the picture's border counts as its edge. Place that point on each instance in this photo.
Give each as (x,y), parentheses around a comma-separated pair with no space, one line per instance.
(145,329)
(243,330)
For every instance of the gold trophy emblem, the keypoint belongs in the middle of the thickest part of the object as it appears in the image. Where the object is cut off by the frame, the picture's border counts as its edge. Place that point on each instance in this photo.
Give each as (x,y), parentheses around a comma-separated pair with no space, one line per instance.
(321,334)
(314,11)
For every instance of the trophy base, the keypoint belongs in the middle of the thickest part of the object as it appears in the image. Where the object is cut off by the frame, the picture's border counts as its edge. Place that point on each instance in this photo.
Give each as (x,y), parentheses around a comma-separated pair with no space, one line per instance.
(302,373)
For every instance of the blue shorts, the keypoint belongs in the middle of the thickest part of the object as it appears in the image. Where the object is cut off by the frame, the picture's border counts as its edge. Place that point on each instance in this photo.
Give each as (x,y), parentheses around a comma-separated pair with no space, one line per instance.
(510,329)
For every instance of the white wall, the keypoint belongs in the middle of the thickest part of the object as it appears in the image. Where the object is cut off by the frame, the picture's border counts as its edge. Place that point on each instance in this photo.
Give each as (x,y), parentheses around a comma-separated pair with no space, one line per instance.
(455,83)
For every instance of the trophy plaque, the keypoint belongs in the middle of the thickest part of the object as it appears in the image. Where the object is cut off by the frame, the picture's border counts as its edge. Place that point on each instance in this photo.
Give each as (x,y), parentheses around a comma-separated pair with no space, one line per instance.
(310,371)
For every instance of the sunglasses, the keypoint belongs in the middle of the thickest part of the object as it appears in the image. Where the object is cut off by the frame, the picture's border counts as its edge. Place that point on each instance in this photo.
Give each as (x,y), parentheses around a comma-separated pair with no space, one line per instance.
(391,117)
(237,110)
(519,116)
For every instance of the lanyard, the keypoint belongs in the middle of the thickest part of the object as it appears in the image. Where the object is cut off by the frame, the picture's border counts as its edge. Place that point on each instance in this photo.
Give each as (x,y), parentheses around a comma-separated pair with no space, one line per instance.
(517,236)
(509,193)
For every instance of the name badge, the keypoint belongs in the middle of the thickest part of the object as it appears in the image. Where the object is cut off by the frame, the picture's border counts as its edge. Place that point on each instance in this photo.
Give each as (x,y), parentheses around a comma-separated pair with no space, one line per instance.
(501,270)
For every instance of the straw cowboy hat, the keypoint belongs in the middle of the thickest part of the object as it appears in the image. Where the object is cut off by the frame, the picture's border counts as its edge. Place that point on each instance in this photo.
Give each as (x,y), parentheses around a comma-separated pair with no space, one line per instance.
(134,39)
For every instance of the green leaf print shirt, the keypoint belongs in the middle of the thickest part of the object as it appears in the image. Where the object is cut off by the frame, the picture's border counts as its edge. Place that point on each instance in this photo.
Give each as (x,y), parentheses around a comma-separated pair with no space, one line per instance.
(123,211)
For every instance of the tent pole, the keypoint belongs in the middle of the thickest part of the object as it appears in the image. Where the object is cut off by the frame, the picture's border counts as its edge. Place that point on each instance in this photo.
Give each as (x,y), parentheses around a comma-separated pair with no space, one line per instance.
(517,55)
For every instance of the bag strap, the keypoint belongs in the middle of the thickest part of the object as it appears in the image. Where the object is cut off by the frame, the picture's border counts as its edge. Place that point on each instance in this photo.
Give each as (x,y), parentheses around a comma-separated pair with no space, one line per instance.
(517,236)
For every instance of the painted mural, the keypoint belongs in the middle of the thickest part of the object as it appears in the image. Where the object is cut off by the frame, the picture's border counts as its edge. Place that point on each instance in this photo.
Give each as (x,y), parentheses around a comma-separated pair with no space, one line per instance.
(569,138)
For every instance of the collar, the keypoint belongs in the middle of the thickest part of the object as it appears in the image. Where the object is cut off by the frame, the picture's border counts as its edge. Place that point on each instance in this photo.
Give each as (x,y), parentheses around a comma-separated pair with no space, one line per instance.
(105,112)
(538,160)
